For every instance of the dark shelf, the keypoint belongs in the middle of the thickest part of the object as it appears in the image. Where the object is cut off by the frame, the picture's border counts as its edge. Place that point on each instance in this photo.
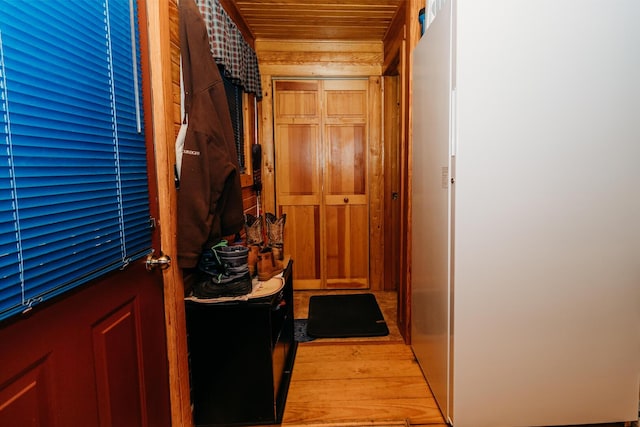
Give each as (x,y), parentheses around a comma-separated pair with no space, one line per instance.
(241,357)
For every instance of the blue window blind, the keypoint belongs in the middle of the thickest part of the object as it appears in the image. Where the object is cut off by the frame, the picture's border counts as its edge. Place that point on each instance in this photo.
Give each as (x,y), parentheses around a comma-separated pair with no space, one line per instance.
(73,174)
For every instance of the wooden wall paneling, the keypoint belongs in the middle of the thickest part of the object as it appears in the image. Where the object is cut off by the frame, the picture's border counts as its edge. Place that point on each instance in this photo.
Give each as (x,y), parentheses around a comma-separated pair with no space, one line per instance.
(265,131)
(404,290)
(397,54)
(286,58)
(249,200)
(413,23)
(393,41)
(376,186)
(270,47)
(391,201)
(323,70)
(412,38)
(328,55)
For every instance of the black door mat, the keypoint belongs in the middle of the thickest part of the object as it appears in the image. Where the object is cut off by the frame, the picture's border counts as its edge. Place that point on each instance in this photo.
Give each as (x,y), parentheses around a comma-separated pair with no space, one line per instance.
(343,316)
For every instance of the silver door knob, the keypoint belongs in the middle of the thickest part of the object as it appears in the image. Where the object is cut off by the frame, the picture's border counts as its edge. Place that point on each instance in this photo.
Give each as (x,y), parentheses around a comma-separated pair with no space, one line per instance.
(161,262)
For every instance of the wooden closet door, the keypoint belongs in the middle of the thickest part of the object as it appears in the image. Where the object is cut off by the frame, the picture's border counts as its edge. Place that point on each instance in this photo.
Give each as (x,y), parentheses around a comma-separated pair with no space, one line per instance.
(321,150)
(298,175)
(346,226)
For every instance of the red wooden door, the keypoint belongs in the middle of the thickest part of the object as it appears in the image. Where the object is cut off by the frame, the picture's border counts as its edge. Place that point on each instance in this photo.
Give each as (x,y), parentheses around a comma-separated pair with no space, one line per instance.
(96,356)
(93,358)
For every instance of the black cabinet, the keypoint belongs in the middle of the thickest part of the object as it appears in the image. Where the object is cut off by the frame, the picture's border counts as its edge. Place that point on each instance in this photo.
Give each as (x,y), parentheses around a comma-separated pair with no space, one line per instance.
(241,357)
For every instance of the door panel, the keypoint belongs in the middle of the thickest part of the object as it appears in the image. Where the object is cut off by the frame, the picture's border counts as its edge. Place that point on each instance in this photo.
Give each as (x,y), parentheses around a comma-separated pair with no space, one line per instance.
(346,167)
(296,99)
(346,213)
(94,357)
(346,252)
(27,397)
(298,175)
(297,157)
(345,182)
(117,350)
(343,102)
(302,227)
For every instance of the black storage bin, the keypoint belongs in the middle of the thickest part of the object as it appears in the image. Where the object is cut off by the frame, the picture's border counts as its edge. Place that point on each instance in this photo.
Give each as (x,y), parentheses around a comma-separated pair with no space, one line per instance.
(241,356)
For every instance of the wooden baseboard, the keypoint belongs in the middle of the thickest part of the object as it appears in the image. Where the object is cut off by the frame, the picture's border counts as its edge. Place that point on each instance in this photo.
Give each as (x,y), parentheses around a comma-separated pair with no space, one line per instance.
(404,423)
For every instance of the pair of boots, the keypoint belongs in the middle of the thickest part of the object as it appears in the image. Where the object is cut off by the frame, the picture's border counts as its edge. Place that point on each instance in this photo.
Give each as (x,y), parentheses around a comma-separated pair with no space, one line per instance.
(224,272)
(265,260)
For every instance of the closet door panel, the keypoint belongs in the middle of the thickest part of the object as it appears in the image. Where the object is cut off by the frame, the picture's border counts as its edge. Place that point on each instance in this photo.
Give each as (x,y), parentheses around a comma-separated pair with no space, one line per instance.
(345,130)
(298,149)
(297,163)
(346,251)
(346,160)
(300,239)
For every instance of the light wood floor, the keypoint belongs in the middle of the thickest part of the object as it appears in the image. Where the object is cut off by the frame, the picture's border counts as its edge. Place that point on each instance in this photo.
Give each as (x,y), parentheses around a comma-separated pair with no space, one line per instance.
(361,382)
(358,381)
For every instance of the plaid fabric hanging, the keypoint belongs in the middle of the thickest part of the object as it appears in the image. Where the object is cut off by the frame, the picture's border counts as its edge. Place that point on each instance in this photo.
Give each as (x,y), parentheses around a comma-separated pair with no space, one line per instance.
(229,48)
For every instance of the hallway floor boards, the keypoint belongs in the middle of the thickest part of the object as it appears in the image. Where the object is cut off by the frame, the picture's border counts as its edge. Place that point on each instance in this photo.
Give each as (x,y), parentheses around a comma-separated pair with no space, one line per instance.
(358,382)
(361,383)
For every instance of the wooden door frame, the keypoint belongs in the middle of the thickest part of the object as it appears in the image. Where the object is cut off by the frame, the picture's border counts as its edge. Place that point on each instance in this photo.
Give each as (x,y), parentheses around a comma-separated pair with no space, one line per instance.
(397,66)
(392,118)
(401,39)
(163,63)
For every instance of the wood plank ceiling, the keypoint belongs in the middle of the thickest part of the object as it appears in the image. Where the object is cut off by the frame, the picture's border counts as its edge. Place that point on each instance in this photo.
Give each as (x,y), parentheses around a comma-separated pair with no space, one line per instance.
(318,19)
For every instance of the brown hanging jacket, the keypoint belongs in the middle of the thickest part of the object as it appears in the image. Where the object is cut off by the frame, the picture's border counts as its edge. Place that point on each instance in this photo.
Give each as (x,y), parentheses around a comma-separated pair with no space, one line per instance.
(210,194)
